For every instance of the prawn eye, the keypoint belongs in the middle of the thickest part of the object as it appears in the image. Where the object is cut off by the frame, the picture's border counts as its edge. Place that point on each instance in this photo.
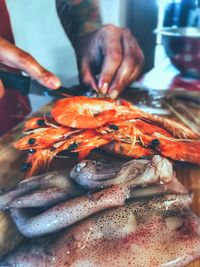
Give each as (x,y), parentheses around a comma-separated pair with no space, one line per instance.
(32,151)
(31,141)
(155,143)
(41,123)
(25,166)
(113,127)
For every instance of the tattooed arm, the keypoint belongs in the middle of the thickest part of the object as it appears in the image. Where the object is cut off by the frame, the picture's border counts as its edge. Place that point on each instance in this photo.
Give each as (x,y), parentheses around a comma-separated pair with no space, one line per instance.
(78,17)
(108,51)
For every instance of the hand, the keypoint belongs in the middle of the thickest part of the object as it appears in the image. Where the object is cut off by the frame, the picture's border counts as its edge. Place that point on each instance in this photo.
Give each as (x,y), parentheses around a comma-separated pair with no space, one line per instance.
(114,54)
(16,58)
(2,90)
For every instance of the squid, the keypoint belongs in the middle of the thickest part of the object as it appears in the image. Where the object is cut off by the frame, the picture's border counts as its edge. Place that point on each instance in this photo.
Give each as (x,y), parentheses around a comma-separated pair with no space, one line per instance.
(64,202)
(147,231)
(133,213)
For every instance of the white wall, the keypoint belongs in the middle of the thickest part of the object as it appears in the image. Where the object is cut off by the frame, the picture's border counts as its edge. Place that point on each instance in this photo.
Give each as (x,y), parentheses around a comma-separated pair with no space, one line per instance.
(37,30)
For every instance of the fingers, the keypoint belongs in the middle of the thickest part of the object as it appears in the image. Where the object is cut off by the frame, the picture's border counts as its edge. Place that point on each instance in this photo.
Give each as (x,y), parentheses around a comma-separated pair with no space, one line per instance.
(113,54)
(130,66)
(2,90)
(17,58)
(86,74)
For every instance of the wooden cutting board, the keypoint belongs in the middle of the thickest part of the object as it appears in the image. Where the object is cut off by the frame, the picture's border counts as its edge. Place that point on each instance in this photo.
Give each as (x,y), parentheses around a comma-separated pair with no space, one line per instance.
(10,174)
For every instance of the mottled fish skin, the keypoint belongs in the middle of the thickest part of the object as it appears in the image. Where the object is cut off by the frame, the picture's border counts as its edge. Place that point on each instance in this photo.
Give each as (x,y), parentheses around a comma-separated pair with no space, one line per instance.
(156,231)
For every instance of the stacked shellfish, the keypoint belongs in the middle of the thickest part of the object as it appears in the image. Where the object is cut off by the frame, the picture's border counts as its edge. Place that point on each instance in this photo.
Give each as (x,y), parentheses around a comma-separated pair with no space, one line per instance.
(81,124)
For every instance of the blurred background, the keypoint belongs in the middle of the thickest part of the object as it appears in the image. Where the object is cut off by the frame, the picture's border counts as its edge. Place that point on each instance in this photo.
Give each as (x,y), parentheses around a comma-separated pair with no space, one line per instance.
(37,30)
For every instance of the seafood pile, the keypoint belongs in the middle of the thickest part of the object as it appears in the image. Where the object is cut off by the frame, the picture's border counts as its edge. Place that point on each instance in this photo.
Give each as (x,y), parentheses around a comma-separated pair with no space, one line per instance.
(47,190)
(81,124)
(135,213)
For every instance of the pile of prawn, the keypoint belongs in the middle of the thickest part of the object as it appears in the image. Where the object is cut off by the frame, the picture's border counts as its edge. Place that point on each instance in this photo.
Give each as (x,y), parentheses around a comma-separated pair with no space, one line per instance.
(81,124)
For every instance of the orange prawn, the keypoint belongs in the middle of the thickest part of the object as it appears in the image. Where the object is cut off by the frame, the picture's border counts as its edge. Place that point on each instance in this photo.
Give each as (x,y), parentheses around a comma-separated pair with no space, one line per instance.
(43,139)
(176,129)
(176,149)
(37,162)
(83,143)
(34,123)
(81,124)
(84,112)
(137,136)
(128,131)
(127,150)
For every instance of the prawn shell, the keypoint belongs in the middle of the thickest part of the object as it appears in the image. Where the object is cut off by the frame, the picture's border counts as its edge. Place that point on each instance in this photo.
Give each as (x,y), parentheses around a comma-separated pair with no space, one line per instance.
(43,139)
(127,150)
(83,112)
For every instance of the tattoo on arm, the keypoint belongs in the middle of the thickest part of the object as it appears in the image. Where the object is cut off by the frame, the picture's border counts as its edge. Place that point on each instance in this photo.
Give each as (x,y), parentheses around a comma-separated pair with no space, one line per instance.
(78,17)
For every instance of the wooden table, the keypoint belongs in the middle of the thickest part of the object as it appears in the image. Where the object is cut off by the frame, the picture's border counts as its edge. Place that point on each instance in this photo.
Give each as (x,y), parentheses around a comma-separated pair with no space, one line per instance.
(10,160)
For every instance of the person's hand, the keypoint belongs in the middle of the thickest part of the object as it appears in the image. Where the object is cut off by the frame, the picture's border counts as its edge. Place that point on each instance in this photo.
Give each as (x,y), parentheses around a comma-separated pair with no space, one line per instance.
(113,54)
(2,90)
(14,57)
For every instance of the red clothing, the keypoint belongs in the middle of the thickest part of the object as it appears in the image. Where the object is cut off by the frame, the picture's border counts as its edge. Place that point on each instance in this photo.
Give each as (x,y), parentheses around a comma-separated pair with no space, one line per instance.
(13,107)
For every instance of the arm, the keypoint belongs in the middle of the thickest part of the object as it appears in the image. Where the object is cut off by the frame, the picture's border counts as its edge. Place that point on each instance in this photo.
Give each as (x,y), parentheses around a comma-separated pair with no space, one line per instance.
(78,17)
(14,57)
(108,51)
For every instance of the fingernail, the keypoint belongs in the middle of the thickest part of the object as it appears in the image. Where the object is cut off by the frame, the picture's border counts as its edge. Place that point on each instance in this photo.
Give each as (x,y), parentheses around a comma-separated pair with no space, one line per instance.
(53,82)
(114,94)
(94,86)
(104,88)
